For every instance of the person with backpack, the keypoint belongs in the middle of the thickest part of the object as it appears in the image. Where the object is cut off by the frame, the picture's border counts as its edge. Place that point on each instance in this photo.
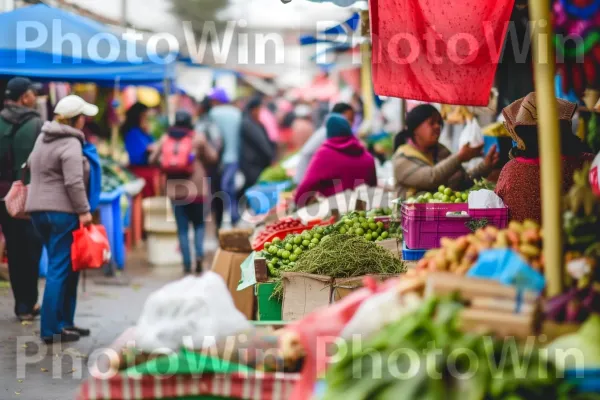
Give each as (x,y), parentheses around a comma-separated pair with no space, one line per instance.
(20,126)
(184,155)
(65,184)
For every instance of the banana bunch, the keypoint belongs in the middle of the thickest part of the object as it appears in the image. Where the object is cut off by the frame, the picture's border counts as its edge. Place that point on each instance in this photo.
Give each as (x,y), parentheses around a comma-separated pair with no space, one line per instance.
(580,196)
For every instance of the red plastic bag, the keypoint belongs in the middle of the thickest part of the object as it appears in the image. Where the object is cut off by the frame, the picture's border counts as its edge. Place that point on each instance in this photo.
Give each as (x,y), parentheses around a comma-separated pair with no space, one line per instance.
(90,248)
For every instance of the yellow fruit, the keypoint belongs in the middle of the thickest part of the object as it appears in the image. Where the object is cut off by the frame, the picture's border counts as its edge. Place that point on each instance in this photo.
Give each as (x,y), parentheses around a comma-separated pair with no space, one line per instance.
(529,250)
(515,226)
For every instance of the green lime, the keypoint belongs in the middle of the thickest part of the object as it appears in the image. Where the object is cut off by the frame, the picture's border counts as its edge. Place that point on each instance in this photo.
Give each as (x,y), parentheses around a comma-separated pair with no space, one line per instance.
(360,232)
(369,237)
(362,213)
(452,199)
(356,225)
(347,221)
(293,257)
(385,235)
(446,198)
(276,240)
(458,201)
(371,220)
(298,251)
(320,230)
(373,226)
(428,196)
(465,196)
(448,191)
(273,249)
(286,262)
(375,235)
(275,261)
(298,239)
(270,265)
(458,195)
(441,188)
(280,252)
(380,224)
(364,225)
(285,255)
(314,240)
(343,231)
(350,231)
(267,245)
(317,236)
(289,247)
(305,243)
(312,246)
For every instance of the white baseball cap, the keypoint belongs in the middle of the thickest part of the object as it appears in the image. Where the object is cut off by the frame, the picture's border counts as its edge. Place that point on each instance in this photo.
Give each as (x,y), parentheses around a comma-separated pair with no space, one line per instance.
(72,106)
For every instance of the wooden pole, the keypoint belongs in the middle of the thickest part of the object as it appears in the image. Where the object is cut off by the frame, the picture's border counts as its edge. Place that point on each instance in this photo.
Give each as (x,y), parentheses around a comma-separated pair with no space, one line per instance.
(549,142)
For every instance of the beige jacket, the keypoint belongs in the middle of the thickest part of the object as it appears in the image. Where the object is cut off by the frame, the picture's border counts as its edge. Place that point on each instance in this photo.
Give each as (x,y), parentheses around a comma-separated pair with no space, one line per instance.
(414,172)
(59,171)
(196,186)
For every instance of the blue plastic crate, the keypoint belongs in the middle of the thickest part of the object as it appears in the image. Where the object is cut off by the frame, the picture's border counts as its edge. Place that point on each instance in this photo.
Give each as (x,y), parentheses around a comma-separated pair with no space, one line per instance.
(263,197)
(412,255)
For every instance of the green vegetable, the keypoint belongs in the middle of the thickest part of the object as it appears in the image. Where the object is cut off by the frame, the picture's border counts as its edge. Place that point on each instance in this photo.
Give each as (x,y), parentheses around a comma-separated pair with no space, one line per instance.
(274,174)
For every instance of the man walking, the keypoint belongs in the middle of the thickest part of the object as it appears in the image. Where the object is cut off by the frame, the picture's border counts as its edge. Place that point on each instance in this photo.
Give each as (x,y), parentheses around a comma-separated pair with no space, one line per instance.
(20,126)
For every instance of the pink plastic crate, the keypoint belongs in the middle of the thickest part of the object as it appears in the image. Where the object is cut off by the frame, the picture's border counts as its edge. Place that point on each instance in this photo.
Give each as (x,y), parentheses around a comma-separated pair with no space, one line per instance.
(425,224)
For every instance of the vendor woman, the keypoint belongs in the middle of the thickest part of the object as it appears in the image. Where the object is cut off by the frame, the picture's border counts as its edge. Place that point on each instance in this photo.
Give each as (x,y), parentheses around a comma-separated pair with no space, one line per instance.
(139,144)
(421,163)
(519,181)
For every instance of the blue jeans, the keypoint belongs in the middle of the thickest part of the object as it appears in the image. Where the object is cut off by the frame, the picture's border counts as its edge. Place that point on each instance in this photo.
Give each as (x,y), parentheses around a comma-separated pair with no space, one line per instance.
(60,295)
(184,215)
(228,186)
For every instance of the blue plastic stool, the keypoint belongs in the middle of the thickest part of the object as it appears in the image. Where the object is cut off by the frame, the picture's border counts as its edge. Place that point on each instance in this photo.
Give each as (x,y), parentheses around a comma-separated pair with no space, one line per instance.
(110,217)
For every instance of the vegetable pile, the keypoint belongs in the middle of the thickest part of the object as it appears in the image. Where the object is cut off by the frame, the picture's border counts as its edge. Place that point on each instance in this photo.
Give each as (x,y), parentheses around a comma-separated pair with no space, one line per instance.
(283,254)
(459,255)
(342,256)
(274,174)
(425,356)
(283,224)
(443,195)
(113,175)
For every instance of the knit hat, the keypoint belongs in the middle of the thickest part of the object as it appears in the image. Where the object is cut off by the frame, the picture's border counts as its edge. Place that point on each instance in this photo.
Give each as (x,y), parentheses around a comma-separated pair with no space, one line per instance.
(418,115)
(338,126)
(219,94)
(523,112)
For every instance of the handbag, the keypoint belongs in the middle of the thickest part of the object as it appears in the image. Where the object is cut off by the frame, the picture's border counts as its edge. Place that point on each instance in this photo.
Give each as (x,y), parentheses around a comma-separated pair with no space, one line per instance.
(16,197)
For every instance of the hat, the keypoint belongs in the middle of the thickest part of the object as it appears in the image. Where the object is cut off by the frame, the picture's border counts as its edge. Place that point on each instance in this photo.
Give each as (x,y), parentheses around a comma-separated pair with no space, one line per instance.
(337,126)
(523,112)
(17,87)
(183,119)
(72,106)
(219,94)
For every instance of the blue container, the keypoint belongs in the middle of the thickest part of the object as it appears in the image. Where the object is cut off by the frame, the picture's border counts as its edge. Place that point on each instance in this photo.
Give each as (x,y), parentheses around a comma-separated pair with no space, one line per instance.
(263,197)
(587,381)
(412,255)
(110,217)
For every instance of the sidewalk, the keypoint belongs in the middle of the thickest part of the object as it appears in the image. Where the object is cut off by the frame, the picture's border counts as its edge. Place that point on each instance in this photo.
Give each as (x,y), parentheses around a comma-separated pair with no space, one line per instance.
(106,310)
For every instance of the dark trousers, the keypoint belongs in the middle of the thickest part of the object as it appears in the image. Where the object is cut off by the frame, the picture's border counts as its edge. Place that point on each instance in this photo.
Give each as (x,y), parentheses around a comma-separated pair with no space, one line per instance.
(24,249)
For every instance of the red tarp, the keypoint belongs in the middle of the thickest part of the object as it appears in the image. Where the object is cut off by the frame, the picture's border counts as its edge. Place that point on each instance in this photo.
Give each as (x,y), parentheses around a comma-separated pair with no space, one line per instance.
(443,51)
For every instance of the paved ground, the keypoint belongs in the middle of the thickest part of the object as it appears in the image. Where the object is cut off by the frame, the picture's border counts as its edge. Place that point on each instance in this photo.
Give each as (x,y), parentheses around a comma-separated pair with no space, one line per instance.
(30,371)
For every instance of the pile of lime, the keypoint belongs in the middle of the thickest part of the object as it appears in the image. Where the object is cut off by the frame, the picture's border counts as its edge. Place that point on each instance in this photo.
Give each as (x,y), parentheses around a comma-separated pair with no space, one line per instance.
(282,253)
(358,224)
(443,195)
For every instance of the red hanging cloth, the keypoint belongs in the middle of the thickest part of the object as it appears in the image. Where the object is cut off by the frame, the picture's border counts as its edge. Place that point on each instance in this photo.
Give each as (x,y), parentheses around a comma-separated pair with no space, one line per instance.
(443,51)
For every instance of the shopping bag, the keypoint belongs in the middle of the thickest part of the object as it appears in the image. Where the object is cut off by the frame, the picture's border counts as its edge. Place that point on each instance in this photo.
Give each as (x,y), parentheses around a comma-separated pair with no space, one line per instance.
(473,136)
(16,197)
(15,200)
(90,248)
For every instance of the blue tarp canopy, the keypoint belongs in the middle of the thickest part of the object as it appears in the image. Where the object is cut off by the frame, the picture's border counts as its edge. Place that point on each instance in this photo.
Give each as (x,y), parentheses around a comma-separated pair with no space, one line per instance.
(47,43)
(336,34)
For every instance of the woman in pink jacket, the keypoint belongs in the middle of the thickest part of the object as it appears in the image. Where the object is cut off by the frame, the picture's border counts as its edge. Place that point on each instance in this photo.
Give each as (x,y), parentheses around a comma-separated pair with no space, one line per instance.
(341,163)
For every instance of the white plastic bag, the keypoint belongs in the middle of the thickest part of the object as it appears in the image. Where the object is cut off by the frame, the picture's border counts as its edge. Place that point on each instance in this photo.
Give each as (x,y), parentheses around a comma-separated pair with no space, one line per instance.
(192,312)
(485,199)
(378,311)
(473,136)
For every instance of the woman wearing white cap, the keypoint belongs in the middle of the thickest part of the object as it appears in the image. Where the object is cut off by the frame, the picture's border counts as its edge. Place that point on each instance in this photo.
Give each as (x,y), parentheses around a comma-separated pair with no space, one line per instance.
(58,204)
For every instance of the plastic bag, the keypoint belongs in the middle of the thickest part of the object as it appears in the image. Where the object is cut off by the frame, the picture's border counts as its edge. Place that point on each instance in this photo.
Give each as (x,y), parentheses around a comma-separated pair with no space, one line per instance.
(193,313)
(473,136)
(484,198)
(90,248)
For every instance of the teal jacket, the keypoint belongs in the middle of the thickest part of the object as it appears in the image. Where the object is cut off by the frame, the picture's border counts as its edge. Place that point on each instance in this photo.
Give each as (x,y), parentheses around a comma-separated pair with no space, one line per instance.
(24,138)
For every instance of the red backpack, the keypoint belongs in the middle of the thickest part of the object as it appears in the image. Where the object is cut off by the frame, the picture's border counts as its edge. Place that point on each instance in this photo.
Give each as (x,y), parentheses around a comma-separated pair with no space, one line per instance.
(177,155)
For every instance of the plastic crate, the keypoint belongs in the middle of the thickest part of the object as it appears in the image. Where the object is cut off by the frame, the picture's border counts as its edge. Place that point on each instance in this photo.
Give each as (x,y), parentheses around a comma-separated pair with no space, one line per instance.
(292,231)
(412,254)
(263,197)
(424,225)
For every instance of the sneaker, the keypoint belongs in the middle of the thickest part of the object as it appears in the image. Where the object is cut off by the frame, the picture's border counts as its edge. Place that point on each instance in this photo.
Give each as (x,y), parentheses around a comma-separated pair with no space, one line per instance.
(83,332)
(63,337)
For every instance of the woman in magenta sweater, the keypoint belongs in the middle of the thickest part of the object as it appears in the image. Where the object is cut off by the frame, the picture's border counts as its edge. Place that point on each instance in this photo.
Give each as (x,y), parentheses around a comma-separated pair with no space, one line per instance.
(341,163)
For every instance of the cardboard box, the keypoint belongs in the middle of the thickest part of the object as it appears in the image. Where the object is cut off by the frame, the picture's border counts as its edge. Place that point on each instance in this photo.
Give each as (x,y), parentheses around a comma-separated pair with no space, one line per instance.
(304,293)
(227,264)
(342,287)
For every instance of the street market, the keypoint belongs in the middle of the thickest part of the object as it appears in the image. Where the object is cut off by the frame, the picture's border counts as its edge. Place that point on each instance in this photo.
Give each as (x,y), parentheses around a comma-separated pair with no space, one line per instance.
(410,211)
